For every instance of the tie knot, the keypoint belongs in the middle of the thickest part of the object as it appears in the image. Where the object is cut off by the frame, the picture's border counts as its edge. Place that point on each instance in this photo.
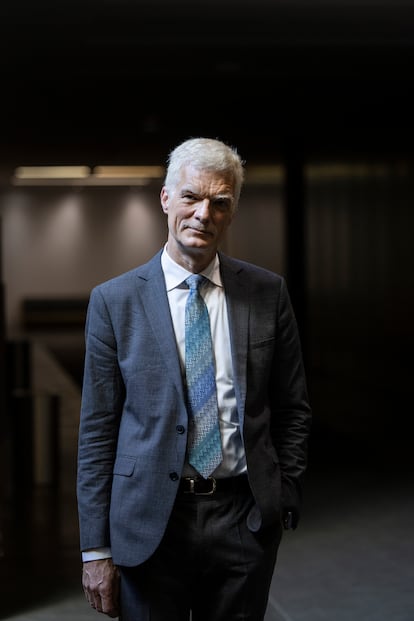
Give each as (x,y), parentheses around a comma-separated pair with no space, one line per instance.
(195,281)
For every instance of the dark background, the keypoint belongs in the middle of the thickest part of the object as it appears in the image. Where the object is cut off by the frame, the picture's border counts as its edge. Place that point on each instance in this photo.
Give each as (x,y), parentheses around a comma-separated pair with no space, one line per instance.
(119,77)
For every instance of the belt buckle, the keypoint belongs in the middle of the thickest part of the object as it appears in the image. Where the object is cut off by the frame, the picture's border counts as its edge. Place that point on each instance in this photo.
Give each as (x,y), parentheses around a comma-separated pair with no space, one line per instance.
(192,489)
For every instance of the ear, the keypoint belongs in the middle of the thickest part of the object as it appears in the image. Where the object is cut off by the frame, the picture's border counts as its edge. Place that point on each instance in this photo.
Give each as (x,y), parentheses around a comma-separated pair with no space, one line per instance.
(164,199)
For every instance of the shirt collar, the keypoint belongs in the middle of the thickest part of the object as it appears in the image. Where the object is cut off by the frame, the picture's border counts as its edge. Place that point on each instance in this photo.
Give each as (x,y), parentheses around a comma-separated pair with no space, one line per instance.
(175,274)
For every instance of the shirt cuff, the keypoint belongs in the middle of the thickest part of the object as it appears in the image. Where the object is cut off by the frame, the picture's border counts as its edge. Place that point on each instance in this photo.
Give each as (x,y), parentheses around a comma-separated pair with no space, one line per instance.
(96,555)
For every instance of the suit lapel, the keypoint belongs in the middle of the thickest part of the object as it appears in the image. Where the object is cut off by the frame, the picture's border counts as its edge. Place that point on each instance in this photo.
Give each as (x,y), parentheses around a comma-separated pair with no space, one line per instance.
(152,291)
(237,297)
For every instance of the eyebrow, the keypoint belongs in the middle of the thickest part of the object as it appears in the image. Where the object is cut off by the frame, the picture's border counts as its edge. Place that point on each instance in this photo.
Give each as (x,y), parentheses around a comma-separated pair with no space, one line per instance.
(187,190)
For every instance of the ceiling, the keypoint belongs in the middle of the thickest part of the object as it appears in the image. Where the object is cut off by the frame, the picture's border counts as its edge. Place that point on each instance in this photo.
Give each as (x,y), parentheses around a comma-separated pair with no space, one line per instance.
(119,81)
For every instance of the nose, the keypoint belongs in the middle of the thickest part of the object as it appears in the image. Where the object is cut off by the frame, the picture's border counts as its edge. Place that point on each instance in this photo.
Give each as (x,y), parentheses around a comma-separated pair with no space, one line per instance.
(203,210)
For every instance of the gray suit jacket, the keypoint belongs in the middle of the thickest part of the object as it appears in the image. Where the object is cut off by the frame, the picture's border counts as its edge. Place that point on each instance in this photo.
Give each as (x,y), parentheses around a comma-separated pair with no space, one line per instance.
(133,427)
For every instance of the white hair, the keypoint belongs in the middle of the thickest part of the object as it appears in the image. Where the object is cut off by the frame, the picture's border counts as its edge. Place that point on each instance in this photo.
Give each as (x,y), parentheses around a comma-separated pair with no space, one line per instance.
(209,154)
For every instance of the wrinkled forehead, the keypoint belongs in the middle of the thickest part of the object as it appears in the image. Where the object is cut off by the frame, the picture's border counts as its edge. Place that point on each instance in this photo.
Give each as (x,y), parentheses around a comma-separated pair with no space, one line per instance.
(206,180)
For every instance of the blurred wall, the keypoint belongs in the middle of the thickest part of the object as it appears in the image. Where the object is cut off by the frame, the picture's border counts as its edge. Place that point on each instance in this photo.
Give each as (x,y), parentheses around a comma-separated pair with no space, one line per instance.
(59,243)
(360,260)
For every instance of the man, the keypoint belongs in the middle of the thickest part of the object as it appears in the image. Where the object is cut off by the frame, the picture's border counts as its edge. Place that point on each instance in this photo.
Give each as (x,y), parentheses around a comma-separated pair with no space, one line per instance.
(162,533)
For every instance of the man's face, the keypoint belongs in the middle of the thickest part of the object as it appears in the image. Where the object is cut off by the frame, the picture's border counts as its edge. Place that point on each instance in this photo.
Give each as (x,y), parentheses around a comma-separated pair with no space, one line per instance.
(199,211)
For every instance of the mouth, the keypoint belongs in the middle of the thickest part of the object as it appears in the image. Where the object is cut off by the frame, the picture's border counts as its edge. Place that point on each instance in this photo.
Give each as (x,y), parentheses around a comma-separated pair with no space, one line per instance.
(199,231)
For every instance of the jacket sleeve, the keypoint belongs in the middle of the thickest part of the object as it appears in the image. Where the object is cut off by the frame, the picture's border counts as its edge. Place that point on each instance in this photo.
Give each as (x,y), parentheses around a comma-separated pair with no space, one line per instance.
(101,408)
(291,418)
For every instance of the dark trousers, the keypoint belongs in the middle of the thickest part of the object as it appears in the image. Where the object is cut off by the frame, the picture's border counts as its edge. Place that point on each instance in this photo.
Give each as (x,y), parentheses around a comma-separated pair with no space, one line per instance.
(208,562)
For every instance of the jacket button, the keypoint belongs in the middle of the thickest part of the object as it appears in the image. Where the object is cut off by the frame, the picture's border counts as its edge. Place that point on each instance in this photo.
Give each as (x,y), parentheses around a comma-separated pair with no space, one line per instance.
(174,476)
(180,428)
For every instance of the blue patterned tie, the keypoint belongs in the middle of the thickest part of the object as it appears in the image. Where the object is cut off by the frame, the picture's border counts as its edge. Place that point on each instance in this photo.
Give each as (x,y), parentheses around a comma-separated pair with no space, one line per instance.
(204,446)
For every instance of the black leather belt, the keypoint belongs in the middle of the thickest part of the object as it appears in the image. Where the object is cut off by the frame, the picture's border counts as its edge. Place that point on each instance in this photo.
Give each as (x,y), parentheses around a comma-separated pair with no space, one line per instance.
(207,487)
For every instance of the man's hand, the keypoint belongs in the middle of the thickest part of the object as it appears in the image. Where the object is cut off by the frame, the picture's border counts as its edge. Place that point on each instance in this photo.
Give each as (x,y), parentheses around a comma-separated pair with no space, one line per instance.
(100,581)
(290,518)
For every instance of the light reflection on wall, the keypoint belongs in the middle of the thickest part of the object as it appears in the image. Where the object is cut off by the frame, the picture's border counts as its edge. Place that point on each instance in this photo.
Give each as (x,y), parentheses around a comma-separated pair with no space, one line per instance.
(61,245)
(62,241)
(135,227)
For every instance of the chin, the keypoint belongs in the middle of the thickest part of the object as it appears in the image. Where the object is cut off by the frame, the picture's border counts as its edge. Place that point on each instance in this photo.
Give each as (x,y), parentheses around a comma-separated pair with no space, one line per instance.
(198,242)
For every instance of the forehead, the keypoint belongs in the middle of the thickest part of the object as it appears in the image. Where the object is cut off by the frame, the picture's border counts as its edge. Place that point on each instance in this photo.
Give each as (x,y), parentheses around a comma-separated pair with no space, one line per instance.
(206,181)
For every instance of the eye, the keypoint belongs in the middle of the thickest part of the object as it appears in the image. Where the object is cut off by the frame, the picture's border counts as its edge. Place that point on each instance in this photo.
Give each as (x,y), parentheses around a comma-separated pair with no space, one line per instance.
(189,197)
(222,204)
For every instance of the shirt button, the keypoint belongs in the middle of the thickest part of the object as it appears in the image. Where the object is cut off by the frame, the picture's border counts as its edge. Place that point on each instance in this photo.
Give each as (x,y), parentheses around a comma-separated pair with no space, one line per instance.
(180,428)
(174,476)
